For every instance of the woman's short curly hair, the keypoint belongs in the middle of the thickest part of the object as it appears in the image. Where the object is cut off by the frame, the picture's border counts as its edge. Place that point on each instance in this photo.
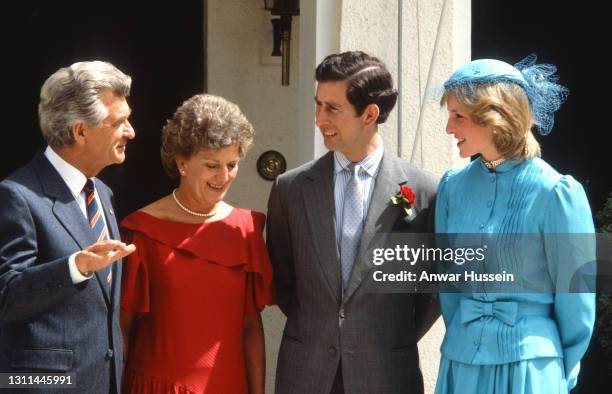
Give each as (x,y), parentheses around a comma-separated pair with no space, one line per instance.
(203,122)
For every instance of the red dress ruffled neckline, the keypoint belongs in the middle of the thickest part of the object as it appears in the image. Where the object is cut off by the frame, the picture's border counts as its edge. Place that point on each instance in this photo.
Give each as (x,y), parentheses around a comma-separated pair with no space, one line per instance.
(192,285)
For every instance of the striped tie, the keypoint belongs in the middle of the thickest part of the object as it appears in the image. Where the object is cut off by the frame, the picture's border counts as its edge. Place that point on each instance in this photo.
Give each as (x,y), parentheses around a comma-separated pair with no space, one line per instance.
(94,213)
(96,222)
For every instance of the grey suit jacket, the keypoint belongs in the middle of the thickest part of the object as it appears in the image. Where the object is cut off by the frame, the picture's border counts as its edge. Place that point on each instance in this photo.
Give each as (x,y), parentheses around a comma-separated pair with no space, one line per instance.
(374,335)
(48,324)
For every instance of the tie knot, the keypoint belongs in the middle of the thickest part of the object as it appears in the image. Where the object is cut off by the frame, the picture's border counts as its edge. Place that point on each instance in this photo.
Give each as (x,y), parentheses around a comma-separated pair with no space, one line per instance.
(89,186)
(353,168)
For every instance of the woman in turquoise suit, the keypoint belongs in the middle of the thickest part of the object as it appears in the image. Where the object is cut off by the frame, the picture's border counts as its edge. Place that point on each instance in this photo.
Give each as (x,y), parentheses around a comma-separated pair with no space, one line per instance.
(529,340)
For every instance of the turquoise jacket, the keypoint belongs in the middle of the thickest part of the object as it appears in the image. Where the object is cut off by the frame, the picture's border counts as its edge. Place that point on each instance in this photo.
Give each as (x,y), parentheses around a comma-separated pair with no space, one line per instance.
(529,197)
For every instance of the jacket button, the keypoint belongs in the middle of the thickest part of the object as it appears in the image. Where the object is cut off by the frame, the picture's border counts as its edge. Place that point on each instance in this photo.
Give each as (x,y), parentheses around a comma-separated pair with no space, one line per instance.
(341,314)
(332,351)
(110,354)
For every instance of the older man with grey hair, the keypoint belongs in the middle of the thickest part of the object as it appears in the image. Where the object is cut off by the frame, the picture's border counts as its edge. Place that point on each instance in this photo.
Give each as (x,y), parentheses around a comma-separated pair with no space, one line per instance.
(60,257)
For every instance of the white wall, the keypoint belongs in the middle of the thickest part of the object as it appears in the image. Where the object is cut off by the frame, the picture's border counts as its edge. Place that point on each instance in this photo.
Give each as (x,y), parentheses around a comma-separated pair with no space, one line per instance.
(239,42)
(435,40)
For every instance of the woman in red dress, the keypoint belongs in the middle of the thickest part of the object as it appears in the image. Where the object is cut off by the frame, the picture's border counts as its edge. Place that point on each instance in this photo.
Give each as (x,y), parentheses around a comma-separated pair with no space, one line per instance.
(193,290)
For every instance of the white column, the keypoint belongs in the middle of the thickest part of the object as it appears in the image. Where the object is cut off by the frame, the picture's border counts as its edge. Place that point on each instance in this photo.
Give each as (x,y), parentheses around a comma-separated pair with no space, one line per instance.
(319,37)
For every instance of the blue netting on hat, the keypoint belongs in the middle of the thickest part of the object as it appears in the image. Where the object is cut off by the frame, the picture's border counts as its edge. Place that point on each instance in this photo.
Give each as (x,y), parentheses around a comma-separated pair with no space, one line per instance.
(545,94)
(538,80)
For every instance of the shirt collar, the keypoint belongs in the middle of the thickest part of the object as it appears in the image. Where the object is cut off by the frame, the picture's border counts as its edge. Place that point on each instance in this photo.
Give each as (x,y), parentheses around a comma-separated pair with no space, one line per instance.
(369,164)
(75,179)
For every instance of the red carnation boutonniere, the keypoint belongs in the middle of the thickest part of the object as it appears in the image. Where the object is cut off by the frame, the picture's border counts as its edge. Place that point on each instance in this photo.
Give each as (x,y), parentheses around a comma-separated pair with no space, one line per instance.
(405,197)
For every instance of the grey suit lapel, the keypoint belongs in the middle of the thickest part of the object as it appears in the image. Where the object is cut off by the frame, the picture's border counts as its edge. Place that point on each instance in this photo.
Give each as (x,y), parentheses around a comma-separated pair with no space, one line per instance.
(382,215)
(109,213)
(320,210)
(66,209)
(113,233)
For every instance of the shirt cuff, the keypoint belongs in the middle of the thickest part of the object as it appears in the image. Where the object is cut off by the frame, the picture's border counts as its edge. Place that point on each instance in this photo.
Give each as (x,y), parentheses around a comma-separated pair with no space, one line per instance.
(75,274)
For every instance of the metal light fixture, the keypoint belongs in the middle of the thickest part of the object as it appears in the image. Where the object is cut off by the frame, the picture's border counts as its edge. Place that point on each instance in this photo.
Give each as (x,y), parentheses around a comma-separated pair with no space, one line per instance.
(286,9)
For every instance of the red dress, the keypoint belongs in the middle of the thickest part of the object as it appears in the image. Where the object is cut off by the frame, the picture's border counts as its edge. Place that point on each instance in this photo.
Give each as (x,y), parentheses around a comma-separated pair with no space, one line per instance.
(191,285)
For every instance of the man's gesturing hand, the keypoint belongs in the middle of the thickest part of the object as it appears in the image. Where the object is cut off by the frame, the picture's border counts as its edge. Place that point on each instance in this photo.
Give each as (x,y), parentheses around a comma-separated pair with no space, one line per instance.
(101,254)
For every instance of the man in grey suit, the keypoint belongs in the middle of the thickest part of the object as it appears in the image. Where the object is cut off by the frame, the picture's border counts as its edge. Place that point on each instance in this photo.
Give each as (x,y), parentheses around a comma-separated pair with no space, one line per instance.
(322,217)
(60,263)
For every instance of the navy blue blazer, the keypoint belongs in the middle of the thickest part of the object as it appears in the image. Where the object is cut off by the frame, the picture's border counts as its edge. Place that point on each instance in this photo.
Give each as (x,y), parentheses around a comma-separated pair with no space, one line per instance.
(47,323)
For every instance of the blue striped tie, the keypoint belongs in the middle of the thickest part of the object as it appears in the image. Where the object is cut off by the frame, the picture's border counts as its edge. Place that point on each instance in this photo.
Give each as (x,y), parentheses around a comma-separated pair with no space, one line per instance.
(96,222)
(352,224)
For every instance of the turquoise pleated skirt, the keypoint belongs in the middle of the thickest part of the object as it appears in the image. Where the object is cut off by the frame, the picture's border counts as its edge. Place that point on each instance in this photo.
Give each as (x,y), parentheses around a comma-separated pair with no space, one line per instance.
(537,376)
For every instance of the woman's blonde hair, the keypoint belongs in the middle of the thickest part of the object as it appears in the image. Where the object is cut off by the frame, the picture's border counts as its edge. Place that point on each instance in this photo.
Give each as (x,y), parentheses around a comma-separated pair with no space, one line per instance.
(504,108)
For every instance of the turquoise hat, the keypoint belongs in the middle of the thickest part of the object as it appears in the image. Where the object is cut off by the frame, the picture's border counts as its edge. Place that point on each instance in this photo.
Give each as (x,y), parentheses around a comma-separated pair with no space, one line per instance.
(485,71)
(538,80)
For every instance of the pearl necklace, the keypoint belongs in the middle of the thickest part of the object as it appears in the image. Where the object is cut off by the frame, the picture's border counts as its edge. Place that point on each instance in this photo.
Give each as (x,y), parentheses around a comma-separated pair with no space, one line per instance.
(189,211)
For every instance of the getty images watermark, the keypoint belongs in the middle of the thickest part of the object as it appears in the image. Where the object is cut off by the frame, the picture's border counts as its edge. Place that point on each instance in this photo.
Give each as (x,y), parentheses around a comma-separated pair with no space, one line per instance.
(459,256)
(515,263)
